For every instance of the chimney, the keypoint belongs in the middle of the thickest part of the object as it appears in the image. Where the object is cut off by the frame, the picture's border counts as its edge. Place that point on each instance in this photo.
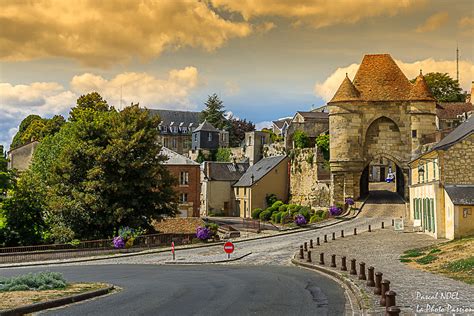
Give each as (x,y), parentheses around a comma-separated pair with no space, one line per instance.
(252,179)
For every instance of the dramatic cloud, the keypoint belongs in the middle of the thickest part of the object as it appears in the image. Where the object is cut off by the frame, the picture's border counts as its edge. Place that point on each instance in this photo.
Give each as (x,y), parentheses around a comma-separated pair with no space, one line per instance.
(101,33)
(434,22)
(326,89)
(466,24)
(318,13)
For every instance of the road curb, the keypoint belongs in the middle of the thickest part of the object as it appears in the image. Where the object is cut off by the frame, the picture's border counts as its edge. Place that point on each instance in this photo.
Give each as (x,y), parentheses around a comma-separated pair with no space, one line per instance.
(355,295)
(28,309)
(206,262)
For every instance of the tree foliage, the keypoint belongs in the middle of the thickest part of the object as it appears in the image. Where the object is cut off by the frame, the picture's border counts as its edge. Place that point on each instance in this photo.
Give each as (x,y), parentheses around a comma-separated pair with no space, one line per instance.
(33,127)
(92,101)
(224,155)
(322,141)
(300,139)
(214,112)
(237,130)
(444,88)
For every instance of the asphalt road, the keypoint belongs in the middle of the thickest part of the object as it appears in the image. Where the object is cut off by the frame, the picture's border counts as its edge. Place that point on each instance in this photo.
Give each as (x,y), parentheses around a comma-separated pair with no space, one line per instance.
(203,290)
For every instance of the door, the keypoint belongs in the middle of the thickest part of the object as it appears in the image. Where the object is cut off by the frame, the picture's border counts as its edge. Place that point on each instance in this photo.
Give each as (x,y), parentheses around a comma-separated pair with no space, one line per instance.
(382,174)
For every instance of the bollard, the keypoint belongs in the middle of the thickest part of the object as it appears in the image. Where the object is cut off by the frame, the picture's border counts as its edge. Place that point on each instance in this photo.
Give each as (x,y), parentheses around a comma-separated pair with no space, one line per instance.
(383,225)
(321,258)
(325,238)
(333,236)
(309,256)
(342,233)
(370,278)
(385,289)
(301,252)
(362,275)
(390,299)
(378,283)
(333,261)
(355,231)
(370,229)
(343,264)
(317,242)
(353,267)
(305,246)
(393,311)
(393,222)
(310,243)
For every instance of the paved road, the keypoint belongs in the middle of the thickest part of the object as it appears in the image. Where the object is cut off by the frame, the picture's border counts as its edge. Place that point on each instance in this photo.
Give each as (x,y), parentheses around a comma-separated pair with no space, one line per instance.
(204,290)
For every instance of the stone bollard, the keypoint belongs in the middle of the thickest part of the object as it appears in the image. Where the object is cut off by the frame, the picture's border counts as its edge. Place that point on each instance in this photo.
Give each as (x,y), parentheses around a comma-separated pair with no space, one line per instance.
(310,243)
(325,238)
(333,236)
(370,228)
(342,233)
(309,256)
(333,261)
(383,225)
(321,258)
(305,246)
(353,267)
(393,222)
(317,242)
(355,231)
(393,311)
(343,264)
(301,252)
(362,275)
(385,289)
(378,283)
(390,299)
(370,278)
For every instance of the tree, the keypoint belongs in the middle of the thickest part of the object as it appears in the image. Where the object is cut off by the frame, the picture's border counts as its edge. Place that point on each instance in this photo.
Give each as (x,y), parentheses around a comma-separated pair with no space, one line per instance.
(322,141)
(7,177)
(237,130)
(224,155)
(92,101)
(33,127)
(444,88)
(214,112)
(300,139)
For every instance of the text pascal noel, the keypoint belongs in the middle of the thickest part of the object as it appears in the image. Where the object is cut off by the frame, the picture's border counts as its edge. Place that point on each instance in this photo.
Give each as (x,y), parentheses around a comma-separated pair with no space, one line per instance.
(441,302)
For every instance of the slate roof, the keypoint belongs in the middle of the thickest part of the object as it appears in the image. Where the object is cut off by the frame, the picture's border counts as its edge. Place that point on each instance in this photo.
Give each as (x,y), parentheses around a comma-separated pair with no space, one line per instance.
(450,110)
(176,159)
(177,117)
(224,171)
(420,90)
(258,171)
(461,194)
(313,115)
(280,123)
(206,127)
(459,133)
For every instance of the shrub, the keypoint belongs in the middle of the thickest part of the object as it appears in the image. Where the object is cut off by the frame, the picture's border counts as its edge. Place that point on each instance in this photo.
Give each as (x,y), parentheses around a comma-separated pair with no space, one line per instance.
(283,208)
(350,201)
(33,282)
(325,214)
(256,213)
(285,218)
(319,213)
(295,209)
(278,217)
(315,218)
(265,215)
(119,242)
(335,210)
(306,212)
(270,199)
(300,220)
(203,233)
(277,204)
(301,139)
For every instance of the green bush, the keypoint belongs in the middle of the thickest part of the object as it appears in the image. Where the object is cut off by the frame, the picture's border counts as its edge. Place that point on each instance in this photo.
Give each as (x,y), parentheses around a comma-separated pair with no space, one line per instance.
(33,282)
(277,204)
(256,213)
(286,218)
(315,218)
(283,208)
(301,139)
(265,215)
(278,217)
(270,199)
(325,214)
(213,227)
(319,213)
(306,212)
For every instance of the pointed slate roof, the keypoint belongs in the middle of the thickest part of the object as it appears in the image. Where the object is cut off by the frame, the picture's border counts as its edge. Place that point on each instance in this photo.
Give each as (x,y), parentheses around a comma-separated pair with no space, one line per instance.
(420,90)
(346,92)
(206,127)
(224,171)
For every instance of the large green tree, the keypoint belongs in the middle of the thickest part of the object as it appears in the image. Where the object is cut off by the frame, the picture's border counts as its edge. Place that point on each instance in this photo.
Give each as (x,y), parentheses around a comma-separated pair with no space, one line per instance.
(444,88)
(214,112)
(33,127)
(93,101)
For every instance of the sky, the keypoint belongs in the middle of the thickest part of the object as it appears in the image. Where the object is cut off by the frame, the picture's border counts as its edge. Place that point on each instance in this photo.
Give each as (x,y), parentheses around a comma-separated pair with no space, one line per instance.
(266,59)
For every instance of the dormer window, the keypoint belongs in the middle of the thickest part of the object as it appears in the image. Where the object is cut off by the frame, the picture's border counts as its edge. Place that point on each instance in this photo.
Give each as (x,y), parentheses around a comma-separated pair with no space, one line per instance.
(209,137)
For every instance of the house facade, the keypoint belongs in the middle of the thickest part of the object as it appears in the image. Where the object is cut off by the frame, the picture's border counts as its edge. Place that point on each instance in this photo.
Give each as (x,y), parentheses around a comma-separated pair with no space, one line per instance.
(280,126)
(268,176)
(452,114)
(207,137)
(188,187)
(254,144)
(442,186)
(312,123)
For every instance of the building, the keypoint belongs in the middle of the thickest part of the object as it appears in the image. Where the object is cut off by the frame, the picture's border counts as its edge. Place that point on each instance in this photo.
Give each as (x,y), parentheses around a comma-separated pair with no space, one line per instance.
(280,126)
(379,114)
(452,114)
(254,143)
(268,176)
(176,128)
(207,137)
(312,123)
(20,158)
(442,186)
(217,194)
(188,187)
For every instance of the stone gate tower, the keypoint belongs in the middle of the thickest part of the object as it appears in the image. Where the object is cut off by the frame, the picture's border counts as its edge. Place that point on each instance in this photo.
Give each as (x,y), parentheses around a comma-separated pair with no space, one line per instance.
(378,115)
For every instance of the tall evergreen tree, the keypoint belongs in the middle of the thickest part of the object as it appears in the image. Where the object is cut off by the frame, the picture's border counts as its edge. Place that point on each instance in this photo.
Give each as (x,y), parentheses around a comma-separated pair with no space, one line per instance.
(214,112)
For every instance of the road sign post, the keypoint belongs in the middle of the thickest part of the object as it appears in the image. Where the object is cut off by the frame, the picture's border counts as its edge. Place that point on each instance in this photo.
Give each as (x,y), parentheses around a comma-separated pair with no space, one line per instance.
(228,248)
(172,250)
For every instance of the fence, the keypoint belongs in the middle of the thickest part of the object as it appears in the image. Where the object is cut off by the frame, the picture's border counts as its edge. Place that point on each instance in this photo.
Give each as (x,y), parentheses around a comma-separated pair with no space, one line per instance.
(88,248)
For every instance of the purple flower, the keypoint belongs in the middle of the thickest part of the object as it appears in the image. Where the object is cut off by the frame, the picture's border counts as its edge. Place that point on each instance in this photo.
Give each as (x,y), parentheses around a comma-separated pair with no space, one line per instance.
(203,233)
(349,201)
(119,243)
(334,210)
(300,220)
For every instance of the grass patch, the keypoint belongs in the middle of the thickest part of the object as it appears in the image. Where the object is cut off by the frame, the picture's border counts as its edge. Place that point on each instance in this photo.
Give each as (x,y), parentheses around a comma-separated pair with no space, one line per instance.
(33,282)
(426,259)
(405,260)
(462,265)
(435,250)
(412,253)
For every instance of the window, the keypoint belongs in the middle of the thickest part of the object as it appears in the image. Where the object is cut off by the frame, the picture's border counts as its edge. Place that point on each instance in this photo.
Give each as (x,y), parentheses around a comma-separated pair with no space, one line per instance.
(209,137)
(413,133)
(435,167)
(174,143)
(183,198)
(184,178)
(195,137)
(427,175)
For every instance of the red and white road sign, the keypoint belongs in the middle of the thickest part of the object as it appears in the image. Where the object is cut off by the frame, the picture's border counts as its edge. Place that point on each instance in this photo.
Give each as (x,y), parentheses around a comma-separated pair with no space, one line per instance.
(229,247)
(172,246)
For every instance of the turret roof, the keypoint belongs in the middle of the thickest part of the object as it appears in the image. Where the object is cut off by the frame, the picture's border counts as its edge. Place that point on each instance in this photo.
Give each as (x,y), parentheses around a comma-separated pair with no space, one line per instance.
(420,90)
(346,92)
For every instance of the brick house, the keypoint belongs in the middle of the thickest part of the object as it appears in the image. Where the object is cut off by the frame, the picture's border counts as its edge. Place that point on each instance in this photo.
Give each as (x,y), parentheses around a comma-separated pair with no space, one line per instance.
(189,183)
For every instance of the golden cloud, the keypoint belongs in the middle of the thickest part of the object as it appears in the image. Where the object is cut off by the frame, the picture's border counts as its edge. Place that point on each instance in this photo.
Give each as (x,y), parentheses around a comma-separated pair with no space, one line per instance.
(101,33)
(318,13)
(434,22)
(466,24)
(328,88)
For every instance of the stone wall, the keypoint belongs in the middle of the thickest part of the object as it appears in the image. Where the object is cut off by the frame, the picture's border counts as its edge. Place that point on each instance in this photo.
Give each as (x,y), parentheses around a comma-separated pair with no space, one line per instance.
(457,163)
(275,149)
(20,158)
(309,178)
